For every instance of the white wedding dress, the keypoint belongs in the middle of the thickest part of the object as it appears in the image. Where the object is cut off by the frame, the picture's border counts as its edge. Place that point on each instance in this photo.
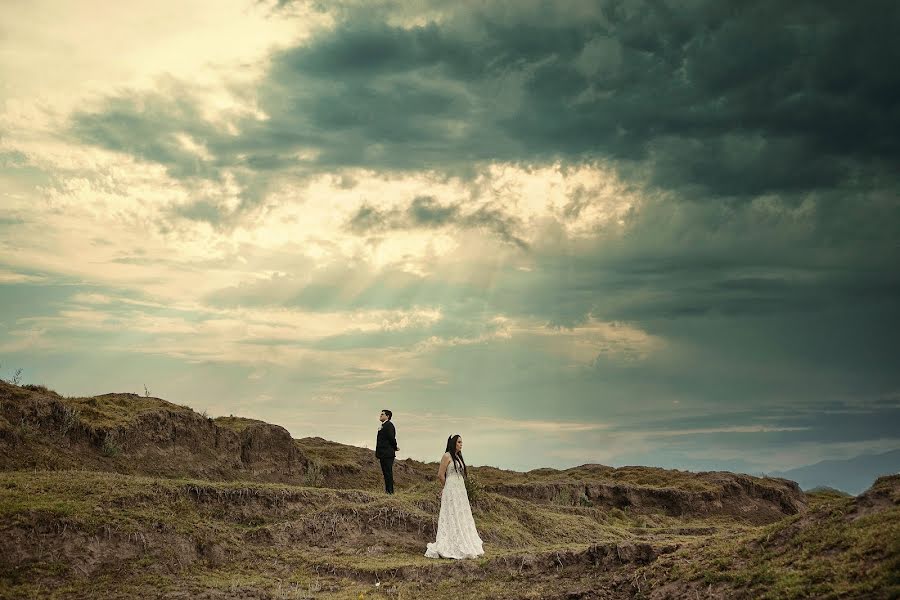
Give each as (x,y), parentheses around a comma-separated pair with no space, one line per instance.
(456,533)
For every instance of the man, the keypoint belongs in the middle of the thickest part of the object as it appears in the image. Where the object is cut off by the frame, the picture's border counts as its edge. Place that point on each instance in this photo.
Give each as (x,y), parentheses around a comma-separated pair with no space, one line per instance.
(385,449)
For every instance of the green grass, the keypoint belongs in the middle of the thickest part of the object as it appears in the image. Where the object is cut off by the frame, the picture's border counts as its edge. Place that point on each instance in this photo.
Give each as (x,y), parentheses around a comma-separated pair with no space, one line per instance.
(232,538)
(116,410)
(236,424)
(130,503)
(359,533)
(282,541)
(586,474)
(824,553)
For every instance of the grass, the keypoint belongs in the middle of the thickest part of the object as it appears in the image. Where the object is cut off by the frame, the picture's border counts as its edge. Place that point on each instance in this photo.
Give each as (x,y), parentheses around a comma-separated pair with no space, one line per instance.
(639,476)
(282,541)
(235,424)
(131,502)
(825,553)
(167,522)
(117,410)
(337,535)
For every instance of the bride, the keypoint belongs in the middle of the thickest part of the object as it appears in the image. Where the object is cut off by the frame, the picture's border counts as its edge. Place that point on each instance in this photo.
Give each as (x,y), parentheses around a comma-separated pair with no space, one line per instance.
(456,533)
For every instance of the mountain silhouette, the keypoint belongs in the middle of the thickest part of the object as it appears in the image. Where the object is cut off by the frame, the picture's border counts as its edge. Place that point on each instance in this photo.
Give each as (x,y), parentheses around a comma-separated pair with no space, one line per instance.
(852,475)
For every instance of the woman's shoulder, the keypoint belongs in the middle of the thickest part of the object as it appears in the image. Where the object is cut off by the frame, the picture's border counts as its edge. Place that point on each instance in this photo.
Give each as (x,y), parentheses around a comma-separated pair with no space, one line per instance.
(446,456)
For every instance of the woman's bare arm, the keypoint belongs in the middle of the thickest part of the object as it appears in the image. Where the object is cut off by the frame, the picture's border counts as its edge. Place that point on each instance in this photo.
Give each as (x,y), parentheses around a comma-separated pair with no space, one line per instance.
(442,470)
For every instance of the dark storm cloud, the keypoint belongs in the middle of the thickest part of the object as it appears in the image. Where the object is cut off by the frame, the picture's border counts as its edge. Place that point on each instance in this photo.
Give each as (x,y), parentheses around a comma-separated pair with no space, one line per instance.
(497,221)
(364,50)
(830,421)
(148,127)
(369,218)
(201,210)
(425,212)
(787,296)
(739,99)
(12,158)
(826,429)
(734,99)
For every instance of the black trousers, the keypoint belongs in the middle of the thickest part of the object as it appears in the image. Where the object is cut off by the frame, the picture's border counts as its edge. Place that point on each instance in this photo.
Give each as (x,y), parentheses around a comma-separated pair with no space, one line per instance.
(387,469)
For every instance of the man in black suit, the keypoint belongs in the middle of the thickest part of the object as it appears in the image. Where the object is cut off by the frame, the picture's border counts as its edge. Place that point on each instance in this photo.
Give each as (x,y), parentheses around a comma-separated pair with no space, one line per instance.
(385,448)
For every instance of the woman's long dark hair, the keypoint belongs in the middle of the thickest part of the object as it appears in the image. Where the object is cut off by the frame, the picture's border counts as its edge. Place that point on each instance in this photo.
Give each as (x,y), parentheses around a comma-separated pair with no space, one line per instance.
(456,456)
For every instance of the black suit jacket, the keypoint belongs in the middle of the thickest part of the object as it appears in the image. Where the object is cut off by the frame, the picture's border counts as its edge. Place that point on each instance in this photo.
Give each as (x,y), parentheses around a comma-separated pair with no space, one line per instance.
(386,442)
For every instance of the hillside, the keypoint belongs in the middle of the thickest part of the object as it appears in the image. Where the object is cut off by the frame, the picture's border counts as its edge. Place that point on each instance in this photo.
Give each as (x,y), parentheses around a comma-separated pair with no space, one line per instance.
(124,496)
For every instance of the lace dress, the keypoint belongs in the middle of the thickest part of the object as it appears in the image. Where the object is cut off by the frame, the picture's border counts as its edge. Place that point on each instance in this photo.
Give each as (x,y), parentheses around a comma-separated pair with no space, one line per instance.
(456,533)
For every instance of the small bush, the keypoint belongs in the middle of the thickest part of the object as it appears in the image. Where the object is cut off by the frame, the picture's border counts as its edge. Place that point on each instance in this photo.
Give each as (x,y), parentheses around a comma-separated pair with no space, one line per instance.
(111,446)
(37,388)
(24,427)
(313,476)
(564,496)
(68,418)
(474,489)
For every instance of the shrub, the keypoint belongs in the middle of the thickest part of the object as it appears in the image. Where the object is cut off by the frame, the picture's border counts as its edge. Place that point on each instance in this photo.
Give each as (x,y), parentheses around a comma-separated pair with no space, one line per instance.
(37,388)
(313,476)
(564,496)
(68,418)
(474,489)
(24,427)
(111,446)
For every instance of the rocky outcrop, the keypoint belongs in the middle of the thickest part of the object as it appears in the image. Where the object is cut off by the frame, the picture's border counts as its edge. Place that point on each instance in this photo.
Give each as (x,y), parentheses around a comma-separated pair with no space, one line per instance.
(737,496)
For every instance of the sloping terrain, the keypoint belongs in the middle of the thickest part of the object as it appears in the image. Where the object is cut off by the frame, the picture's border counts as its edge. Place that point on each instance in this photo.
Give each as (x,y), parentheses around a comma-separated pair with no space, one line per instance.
(122,496)
(126,433)
(842,547)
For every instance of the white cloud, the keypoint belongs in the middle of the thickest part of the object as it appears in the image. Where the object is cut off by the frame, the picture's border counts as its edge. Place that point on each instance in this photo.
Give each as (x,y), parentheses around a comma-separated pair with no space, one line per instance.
(725,429)
(585,343)
(14,277)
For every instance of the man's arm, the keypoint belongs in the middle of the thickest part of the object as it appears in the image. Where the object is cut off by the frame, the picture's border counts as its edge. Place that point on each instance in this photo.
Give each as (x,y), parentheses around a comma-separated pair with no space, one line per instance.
(392,437)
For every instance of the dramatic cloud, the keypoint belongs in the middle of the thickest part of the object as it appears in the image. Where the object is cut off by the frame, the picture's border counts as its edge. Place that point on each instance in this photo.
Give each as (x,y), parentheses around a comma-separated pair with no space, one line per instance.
(737,100)
(620,231)
(427,213)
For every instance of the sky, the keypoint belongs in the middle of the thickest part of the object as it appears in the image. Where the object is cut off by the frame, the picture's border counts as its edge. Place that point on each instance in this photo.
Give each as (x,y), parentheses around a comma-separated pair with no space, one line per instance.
(624,232)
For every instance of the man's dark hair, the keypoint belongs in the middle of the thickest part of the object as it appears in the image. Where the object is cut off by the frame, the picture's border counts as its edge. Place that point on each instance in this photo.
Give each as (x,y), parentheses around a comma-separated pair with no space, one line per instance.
(387,413)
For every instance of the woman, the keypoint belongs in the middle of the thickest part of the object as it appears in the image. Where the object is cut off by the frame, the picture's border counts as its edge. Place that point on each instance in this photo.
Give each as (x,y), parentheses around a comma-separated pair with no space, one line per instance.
(456,533)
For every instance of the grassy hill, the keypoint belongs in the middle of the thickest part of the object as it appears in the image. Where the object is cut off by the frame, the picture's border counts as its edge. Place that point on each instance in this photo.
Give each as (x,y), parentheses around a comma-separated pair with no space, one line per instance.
(122,496)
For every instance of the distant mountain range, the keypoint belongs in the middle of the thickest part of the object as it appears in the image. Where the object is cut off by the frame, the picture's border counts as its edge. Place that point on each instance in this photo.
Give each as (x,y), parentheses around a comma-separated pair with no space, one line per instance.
(853,475)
